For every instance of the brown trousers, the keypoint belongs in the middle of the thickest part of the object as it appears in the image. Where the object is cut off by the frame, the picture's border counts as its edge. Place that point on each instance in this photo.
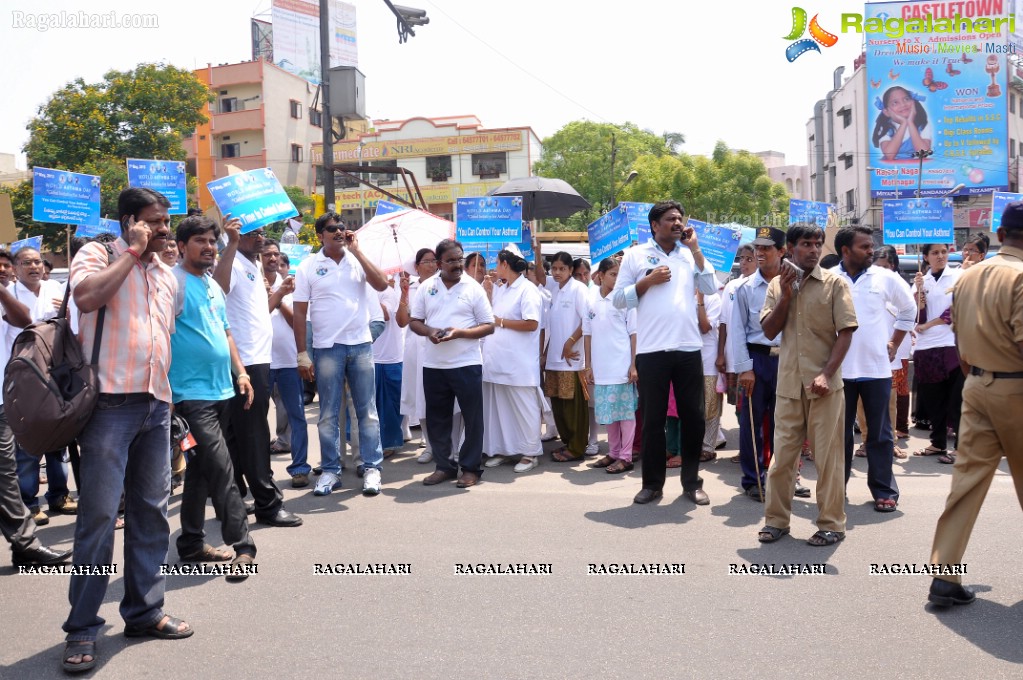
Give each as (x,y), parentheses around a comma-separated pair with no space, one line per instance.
(822,421)
(991,427)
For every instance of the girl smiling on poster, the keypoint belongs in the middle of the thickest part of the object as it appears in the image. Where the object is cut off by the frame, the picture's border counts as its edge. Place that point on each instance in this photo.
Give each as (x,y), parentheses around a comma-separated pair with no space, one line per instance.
(902,127)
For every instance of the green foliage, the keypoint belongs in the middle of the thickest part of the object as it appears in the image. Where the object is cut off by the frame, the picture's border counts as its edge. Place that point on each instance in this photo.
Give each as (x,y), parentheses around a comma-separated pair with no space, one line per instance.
(730,186)
(94,127)
(580,153)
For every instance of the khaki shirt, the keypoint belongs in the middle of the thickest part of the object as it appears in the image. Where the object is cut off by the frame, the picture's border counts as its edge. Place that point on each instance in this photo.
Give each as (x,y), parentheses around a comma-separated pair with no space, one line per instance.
(987,312)
(821,308)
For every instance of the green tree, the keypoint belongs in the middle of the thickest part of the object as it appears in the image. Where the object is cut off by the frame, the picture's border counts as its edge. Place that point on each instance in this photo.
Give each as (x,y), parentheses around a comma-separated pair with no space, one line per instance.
(728,187)
(94,127)
(581,154)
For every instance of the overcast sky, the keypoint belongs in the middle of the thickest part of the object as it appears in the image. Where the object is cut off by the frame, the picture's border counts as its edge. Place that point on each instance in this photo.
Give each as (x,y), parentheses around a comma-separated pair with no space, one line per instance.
(708,70)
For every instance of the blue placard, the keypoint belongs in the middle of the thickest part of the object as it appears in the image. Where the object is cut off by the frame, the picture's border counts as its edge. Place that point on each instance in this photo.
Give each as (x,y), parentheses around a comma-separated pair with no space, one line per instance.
(491,250)
(167,177)
(35,242)
(64,197)
(999,200)
(608,234)
(638,215)
(918,220)
(719,242)
(255,197)
(296,252)
(489,219)
(386,207)
(105,226)
(931,88)
(809,212)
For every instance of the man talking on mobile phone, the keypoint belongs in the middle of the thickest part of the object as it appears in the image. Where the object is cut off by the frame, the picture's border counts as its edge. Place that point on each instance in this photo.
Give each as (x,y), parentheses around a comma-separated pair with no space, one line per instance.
(659,279)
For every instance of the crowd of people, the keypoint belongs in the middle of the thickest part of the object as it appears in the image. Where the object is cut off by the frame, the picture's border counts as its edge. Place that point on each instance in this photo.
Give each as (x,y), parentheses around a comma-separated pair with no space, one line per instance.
(204,332)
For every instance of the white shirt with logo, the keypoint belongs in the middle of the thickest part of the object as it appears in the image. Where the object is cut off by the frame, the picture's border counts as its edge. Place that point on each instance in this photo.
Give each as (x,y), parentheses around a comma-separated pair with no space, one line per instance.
(248,313)
(338,297)
(464,305)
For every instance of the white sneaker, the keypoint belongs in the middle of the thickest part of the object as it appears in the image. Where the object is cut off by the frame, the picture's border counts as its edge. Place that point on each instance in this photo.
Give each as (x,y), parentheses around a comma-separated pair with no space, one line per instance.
(425,457)
(371,482)
(528,464)
(494,461)
(327,482)
(592,449)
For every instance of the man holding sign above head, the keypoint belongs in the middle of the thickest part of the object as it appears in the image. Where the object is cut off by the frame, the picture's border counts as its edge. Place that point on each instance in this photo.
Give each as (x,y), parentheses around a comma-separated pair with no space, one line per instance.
(659,279)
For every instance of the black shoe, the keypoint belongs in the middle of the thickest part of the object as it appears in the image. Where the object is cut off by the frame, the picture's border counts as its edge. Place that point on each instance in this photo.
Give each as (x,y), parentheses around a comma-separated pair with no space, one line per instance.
(283,518)
(946,593)
(646,495)
(250,507)
(318,470)
(801,491)
(41,555)
(755,493)
(698,496)
(359,471)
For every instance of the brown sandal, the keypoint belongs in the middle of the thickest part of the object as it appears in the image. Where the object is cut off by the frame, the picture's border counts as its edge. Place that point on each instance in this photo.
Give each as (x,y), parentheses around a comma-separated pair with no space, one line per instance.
(604,462)
(618,467)
(207,554)
(563,455)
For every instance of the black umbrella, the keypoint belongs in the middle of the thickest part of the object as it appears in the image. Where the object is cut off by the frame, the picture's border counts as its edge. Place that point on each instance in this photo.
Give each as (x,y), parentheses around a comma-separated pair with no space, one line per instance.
(543,197)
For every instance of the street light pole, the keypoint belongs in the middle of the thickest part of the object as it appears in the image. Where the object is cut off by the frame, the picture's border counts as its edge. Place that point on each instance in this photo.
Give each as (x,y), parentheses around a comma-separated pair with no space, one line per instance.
(921,154)
(325,117)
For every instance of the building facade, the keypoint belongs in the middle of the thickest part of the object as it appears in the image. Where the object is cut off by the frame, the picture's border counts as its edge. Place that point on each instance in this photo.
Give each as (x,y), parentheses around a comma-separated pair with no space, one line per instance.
(795,178)
(262,117)
(451,157)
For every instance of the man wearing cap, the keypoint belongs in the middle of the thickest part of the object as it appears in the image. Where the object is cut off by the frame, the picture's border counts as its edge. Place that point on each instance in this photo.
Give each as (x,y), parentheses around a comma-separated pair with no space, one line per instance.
(756,363)
(987,313)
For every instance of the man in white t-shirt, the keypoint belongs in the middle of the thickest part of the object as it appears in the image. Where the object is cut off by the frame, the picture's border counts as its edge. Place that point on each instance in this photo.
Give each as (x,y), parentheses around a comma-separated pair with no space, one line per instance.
(16,521)
(659,279)
(451,310)
(388,355)
(248,431)
(284,362)
(331,290)
(866,370)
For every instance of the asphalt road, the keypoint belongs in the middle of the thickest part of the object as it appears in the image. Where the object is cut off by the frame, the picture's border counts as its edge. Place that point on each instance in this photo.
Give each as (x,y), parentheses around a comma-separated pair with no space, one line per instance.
(287,621)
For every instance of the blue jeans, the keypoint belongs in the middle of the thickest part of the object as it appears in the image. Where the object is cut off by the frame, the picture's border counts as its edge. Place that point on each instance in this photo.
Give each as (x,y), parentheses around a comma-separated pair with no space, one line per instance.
(388,377)
(334,365)
(28,477)
(289,386)
(125,447)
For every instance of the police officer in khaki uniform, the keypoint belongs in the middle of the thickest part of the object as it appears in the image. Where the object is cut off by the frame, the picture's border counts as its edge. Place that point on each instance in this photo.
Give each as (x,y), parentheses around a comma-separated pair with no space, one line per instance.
(987,314)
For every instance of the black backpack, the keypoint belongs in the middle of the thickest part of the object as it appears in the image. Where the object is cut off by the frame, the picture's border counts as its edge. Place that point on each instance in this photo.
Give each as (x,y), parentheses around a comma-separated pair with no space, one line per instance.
(49,389)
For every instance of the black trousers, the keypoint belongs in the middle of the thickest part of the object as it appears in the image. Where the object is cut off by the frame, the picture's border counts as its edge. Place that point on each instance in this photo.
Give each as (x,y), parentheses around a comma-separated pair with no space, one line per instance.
(442,387)
(942,403)
(879,443)
(16,521)
(248,439)
(210,474)
(683,371)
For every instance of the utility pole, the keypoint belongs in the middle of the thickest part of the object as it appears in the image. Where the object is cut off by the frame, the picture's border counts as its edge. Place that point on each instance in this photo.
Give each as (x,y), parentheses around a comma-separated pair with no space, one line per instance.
(325,117)
(921,154)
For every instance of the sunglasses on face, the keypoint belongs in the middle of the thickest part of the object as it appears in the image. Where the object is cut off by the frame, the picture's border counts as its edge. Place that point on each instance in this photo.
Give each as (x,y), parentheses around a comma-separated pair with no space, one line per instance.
(334,228)
(257,232)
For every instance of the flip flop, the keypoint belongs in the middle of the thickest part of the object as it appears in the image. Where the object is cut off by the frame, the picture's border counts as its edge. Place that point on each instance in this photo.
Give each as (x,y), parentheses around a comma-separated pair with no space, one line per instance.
(885,505)
(169,631)
(948,458)
(771,534)
(674,462)
(823,539)
(930,451)
(861,452)
(602,463)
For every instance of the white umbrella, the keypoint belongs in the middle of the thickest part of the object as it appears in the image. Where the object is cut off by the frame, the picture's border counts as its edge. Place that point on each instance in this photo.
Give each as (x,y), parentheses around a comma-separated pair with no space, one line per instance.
(391,240)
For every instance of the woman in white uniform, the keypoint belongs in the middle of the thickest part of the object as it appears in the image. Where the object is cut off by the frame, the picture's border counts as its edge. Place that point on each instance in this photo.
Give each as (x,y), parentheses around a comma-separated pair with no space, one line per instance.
(511,387)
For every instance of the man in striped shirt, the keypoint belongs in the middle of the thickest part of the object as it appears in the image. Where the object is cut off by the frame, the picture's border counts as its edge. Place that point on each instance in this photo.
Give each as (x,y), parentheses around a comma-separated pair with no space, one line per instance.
(126,444)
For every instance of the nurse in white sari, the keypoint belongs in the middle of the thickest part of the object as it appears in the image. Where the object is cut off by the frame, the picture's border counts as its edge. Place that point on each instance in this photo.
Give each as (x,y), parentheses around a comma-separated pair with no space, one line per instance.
(512,396)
